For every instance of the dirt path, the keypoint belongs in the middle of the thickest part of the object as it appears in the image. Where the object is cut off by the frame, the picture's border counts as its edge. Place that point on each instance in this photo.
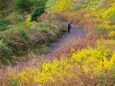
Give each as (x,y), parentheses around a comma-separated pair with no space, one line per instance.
(76,33)
(66,40)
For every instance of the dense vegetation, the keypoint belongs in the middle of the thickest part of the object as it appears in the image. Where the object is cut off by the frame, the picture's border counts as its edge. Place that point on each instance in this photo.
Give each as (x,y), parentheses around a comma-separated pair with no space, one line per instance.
(90,62)
(21,32)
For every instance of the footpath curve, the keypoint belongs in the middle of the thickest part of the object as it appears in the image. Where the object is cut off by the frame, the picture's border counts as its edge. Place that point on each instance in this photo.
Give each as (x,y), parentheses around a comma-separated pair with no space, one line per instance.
(76,33)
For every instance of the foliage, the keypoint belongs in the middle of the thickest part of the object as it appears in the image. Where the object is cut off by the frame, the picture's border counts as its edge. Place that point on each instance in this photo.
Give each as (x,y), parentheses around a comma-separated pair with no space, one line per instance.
(14,83)
(40,9)
(87,66)
(24,5)
(4,24)
(5,7)
(28,22)
(62,5)
(112,34)
(29,37)
(15,18)
(93,61)
(5,51)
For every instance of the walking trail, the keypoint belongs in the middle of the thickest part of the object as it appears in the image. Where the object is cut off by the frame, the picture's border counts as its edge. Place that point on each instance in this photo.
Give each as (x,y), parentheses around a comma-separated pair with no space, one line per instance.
(76,32)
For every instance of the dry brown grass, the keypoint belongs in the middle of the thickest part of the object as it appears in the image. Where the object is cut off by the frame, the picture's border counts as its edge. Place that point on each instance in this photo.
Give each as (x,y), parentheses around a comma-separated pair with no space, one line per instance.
(74,17)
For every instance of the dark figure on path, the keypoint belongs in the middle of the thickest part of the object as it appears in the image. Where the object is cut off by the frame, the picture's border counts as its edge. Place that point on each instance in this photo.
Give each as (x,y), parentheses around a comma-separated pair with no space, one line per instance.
(69,27)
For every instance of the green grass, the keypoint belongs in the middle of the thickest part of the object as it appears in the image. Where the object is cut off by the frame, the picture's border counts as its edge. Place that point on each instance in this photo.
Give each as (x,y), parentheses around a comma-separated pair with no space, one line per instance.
(4,24)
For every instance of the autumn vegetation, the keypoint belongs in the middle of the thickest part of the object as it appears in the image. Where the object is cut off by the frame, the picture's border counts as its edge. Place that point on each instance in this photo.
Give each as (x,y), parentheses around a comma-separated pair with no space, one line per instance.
(86,62)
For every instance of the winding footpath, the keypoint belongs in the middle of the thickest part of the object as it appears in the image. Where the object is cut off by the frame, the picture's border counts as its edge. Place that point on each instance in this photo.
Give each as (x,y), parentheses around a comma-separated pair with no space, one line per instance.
(76,32)
(67,38)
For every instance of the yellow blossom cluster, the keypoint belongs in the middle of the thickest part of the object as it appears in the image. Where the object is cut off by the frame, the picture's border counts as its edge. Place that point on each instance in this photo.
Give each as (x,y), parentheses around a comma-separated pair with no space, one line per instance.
(112,34)
(90,60)
(28,22)
(62,5)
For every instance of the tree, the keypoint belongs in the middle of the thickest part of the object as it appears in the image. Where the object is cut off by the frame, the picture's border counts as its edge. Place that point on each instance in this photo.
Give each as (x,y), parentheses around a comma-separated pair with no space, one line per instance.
(40,9)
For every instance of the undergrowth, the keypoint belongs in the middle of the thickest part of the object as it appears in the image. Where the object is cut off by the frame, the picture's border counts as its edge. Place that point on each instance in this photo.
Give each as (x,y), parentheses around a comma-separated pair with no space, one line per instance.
(29,36)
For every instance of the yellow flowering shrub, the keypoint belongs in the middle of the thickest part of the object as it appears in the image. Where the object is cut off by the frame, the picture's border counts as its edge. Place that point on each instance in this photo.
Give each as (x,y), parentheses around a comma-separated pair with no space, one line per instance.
(62,5)
(46,74)
(108,43)
(105,26)
(110,11)
(112,34)
(112,61)
(91,60)
(28,22)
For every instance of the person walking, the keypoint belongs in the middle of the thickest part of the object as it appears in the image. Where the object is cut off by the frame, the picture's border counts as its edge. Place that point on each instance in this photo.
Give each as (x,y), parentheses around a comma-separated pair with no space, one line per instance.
(69,27)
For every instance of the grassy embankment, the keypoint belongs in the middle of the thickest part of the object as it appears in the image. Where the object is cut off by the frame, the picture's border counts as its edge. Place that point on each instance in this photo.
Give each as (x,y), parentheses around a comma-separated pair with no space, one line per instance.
(24,37)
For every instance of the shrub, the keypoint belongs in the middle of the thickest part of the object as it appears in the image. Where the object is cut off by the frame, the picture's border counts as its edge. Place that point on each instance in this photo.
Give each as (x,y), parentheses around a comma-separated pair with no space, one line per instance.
(85,65)
(109,43)
(39,11)
(23,33)
(4,24)
(5,50)
(62,5)
(5,7)
(112,34)
(20,41)
(28,22)
(24,5)
(15,18)
(4,27)
(14,83)
(48,30)
(2,21)
(102,31)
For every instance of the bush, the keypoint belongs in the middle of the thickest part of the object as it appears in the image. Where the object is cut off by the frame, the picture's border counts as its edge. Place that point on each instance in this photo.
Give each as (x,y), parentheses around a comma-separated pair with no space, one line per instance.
(24,5)
(5,7)
(2,21)
(102,31)
(28,22)
(23,33)
(39,10)
(14,83)
(4,24)
(20,41)
(5,50)
(49,32)
(82,65)
(112,34)
(15,18)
